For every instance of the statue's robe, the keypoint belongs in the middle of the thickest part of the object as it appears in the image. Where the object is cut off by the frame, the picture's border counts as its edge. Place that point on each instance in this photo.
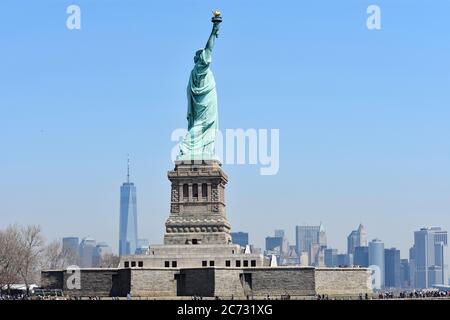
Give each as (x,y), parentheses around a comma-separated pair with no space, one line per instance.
(202,114)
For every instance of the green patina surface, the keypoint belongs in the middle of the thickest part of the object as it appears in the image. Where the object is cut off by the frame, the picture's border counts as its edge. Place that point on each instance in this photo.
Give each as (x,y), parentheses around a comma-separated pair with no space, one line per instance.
(202,113)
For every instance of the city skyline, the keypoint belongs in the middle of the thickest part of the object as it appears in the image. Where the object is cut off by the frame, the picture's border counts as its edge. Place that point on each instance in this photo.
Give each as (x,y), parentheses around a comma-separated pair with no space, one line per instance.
(363,117)
(426,266)
(243,236)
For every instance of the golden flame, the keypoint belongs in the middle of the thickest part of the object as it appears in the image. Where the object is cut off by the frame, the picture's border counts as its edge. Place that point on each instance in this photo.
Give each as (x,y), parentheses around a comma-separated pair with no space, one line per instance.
(216,13)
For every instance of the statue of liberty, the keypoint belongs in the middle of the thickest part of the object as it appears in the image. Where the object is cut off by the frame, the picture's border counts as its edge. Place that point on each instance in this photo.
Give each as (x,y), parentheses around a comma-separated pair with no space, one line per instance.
(202,115)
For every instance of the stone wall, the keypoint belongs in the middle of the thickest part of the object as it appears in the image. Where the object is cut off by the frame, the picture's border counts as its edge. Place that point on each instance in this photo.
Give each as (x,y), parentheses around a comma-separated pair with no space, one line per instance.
(343,281)
(121,285)
(154,282)
(228,282)
(94,282)
(198,281)
(240,282)
(52,279)
(215,281)
(295,281)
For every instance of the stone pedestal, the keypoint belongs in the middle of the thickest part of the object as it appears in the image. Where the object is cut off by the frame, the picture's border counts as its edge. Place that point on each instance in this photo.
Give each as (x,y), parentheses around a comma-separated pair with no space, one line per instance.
(197,230)
(197,210)
(195,256)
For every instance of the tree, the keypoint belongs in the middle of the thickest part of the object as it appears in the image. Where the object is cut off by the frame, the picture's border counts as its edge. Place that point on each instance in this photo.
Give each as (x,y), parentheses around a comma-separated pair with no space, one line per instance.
(23,254)
(109,260)
(30,253)
(55,256)
(9,257)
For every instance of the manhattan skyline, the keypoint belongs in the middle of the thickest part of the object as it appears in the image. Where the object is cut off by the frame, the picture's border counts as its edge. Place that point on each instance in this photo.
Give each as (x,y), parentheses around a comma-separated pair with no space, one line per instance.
(363,115)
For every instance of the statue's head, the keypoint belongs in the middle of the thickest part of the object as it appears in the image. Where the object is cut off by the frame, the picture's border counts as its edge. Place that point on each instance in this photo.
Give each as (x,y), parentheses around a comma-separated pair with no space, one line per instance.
(197,55)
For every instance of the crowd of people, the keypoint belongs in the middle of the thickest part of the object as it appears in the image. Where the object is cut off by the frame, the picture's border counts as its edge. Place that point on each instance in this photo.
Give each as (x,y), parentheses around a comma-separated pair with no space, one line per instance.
(415,294)
(32,297)
(14,297)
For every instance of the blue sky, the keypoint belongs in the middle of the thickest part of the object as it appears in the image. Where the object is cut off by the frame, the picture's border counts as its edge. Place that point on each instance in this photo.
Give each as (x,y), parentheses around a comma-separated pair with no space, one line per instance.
(363,115)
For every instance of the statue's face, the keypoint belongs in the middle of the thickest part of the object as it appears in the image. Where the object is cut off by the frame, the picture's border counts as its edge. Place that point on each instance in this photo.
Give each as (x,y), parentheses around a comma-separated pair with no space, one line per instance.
(197,55)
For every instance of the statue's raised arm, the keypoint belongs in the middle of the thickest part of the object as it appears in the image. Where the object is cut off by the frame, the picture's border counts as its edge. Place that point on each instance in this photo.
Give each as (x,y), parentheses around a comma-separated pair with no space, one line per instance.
(216,20)
(213,36)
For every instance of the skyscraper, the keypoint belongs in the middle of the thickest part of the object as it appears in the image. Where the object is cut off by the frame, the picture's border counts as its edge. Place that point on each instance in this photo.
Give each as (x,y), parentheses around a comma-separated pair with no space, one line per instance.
(306,237)
(376,258)
(344,260)
(404,273)
(128,217)
(431,263)
(87,251)
(331,259)
(240,238)
(361,256)
(101,249)
(291,258)
(274,243)
(352,241)
(71,245)
(278,241)
(412,267)
(357,238)
(392,278)
(317,254)
(322,237)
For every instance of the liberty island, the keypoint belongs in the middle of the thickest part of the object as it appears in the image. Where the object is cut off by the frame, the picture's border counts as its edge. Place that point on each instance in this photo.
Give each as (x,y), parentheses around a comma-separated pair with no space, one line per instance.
(198,257)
